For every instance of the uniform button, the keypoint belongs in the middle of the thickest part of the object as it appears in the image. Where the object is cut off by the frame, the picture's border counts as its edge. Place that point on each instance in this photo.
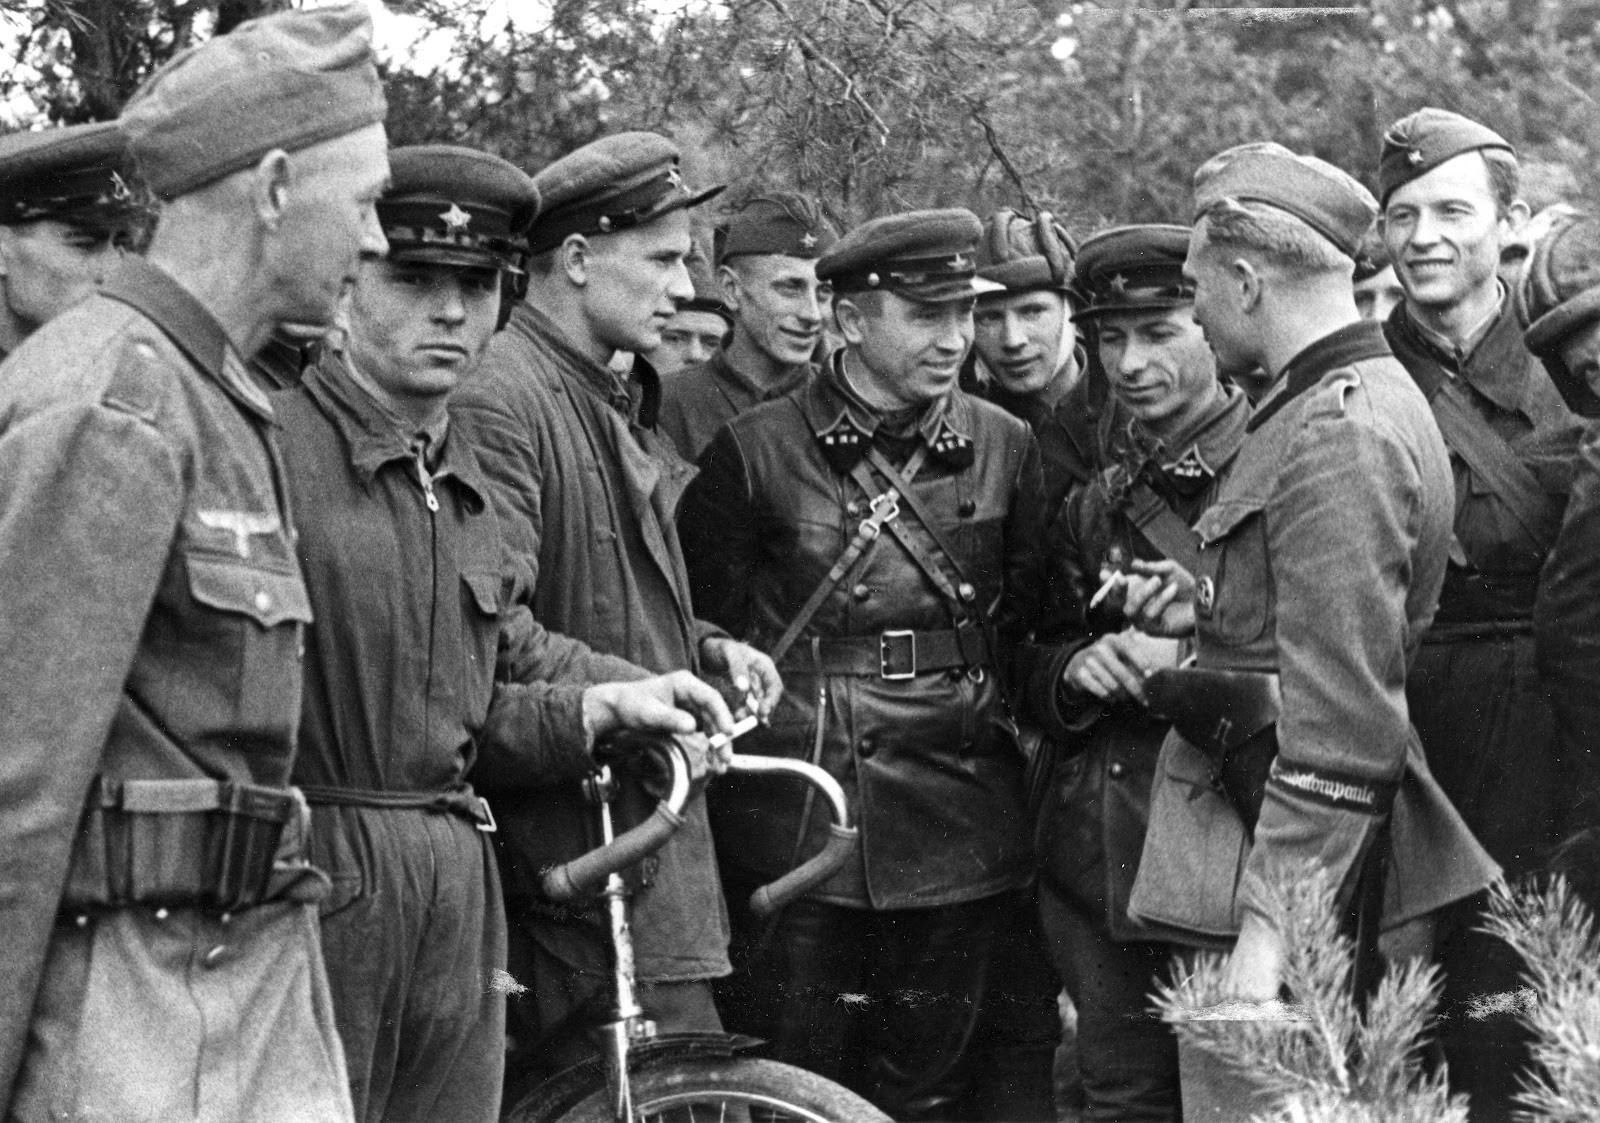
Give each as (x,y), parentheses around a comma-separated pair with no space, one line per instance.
(161,914)
(869,745)
(82,920)
(967,508)
(861,592)
(852,508)
(263,601)
(967,593)
(214,956)
(1117,770)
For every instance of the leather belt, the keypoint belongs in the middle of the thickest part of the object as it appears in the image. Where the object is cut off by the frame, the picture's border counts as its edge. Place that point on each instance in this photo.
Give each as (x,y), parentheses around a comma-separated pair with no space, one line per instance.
(459,801)
(196,843)
(895,655)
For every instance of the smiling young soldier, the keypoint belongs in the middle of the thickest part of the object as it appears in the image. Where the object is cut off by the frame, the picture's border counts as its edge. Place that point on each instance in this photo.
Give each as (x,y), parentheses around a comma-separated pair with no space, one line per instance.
(64,212)
(585,490)
(160,959)
(1088,672)
(1317,572)
(1449,197)
(767,264)
(875,529)
(423,665)
(1024,336)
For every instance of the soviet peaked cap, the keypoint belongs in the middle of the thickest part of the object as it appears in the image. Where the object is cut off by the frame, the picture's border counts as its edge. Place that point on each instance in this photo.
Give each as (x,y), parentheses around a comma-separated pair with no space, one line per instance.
(71,174)
(1132,269)
(456,206)
(925,256)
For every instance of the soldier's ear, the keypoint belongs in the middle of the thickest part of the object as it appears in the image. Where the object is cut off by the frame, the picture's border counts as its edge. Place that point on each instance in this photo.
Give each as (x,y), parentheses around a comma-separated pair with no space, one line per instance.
(732,289)
(852,320)
(1242,272)
(270,186)
(574,257)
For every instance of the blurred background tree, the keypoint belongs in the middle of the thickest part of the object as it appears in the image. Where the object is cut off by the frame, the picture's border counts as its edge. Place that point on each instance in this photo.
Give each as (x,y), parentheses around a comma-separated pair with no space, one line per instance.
(1099,112)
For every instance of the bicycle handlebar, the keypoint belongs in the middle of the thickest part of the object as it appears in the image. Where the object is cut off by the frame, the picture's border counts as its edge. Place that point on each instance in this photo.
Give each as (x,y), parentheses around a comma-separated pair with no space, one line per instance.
(588,873)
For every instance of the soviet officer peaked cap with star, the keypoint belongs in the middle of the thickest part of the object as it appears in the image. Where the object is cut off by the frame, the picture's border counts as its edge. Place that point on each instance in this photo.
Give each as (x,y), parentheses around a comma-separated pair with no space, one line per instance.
(456,206)
(1132,269)
(1419,142)
(786,224)
(71,174)
(925,256)
(612,184)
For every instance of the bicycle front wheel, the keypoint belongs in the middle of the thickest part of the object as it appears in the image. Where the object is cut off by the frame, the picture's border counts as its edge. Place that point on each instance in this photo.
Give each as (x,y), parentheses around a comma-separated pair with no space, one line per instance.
(718,1090)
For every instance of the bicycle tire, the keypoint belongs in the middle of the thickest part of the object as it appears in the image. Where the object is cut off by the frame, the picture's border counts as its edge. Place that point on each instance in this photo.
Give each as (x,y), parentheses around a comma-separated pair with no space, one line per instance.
(701,1089)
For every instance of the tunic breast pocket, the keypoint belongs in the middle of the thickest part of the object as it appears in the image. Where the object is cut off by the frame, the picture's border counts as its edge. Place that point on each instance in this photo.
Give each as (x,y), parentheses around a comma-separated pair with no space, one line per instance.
(1233,593)
(480,628)
(249,635)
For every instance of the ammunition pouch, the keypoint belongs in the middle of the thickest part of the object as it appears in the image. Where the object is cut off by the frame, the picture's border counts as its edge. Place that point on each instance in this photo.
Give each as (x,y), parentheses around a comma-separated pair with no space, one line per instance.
(1232,717)
(202,844)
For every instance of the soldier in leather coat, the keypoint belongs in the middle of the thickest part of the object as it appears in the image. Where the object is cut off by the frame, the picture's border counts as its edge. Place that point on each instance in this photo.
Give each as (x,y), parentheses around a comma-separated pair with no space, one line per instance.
(875,530)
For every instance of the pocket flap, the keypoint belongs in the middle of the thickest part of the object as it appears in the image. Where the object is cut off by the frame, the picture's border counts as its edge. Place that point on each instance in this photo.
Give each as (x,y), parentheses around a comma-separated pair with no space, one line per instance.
(485,591)
(268,597)
(1222,519)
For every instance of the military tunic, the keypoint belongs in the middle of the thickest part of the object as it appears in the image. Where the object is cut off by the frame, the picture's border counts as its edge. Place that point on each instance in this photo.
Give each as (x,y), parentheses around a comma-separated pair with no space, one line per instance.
(699,400)
(1321,562)
(152,629)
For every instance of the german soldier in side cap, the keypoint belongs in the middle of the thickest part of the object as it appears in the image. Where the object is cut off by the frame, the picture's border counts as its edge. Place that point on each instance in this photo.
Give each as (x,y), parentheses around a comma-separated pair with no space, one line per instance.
(1027,343)
(585,490)
(1317,570)
(161,958)
(1449,205)
(872,530)
(1089,668)
(698,329)
(65,210)
(766,256)
(425,663)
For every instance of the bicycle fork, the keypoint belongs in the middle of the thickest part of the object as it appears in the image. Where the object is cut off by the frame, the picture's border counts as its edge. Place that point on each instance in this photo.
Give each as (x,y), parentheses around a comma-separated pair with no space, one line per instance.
(628,1020)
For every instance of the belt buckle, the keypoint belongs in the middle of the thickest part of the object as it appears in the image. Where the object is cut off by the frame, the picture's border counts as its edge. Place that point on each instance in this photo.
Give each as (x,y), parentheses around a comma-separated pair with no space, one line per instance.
(486,822)
(886,644)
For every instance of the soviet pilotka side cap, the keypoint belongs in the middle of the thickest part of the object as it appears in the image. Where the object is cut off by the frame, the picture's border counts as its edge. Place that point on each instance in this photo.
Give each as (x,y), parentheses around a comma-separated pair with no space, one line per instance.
(456,206)
(70,174)
(286,81)
(786,225)
(1024,254)
(1132,269)
(611,184)
(1416,144)
(925,256)
(1558,295)
(1322,196)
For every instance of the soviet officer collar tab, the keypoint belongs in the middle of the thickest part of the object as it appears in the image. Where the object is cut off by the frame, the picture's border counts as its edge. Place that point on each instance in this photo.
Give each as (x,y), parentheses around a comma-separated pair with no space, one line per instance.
(1353,343)
(844,424)
(153,293)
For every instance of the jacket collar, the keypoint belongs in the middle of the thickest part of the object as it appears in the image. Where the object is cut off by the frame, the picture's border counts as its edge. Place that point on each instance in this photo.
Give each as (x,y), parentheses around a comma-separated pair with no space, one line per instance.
(637,398)
(844,425)
(746,390)
(1352,343)
(153,293)
(1190,462)
(1496,366)
(374,436)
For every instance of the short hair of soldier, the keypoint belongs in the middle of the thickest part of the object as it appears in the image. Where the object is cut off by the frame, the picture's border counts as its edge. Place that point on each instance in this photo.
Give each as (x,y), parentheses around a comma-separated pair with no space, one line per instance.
(1279,237)
(870,301)
(1505,178)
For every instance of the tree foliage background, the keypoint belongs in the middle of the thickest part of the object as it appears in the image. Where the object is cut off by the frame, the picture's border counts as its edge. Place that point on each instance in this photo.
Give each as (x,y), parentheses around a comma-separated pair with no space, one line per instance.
(1098,112)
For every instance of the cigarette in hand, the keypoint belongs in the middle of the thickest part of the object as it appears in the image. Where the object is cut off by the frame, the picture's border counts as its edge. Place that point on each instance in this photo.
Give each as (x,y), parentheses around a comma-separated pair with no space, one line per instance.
(740,728)
(1112,582)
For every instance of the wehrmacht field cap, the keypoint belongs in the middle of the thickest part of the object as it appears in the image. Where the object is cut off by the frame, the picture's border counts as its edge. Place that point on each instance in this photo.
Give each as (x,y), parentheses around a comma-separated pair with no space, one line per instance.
(71,174)
(1416,144)
(785,223)
(1132,269)
(1328,200)
(456,206)
(611,184)
(926,256)
(1023,254)
(286,81)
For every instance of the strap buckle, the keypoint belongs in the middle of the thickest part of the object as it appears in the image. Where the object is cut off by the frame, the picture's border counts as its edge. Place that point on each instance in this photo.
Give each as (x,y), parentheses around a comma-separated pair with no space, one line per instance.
(885,507)
(485,820)
(890,646)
